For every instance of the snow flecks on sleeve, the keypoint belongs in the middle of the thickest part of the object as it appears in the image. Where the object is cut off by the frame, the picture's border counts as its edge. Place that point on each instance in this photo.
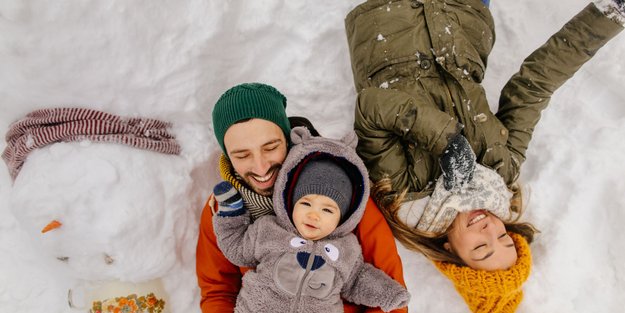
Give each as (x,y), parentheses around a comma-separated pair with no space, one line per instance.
(480,118)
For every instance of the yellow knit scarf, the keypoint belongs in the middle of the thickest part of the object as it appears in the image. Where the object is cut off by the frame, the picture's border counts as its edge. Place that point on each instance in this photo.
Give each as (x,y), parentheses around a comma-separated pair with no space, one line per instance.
(226,170)
(492,291)
(257,205)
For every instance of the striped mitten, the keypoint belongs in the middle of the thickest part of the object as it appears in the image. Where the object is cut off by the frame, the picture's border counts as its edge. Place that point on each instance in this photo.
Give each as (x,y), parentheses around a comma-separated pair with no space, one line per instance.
(229,199)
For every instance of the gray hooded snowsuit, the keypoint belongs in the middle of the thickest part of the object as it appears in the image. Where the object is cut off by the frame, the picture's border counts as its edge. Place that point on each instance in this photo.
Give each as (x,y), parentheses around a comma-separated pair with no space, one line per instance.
(297,275)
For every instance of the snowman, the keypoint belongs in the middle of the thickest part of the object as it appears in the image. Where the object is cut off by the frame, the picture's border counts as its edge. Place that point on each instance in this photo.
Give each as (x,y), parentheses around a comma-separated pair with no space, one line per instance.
(113,201)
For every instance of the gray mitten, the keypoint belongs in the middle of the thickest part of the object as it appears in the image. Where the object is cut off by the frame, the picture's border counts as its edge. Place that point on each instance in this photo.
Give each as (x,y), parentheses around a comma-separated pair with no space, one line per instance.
(612,9)
(400,299)
(457,162)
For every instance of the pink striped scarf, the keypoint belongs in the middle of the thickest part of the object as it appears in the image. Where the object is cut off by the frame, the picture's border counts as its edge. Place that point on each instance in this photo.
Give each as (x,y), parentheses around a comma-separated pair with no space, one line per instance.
(46,126)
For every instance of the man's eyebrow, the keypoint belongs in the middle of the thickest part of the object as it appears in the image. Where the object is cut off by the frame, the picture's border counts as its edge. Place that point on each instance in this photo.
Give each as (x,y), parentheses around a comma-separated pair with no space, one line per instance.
(238,151)
(277,140)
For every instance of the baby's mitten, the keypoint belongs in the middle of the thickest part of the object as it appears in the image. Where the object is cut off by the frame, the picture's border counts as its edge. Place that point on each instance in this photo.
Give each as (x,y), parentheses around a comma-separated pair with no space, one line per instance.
(229,200)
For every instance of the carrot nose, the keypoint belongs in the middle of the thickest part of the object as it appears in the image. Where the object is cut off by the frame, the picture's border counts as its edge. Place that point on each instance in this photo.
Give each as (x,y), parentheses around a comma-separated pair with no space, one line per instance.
(52,225)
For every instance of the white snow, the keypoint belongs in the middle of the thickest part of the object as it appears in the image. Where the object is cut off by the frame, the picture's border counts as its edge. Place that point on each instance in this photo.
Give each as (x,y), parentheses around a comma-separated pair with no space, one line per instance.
(172,60)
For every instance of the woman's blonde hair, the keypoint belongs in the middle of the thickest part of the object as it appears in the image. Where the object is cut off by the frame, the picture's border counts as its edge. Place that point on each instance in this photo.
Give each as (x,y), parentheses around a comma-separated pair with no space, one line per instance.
(431,245)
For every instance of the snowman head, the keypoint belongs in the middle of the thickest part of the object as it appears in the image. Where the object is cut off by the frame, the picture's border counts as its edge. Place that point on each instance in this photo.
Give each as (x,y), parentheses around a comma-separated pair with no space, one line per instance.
(106,210)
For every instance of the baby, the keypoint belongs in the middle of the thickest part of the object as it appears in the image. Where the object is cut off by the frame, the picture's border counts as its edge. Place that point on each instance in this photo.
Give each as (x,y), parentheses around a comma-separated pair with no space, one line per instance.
(306,257)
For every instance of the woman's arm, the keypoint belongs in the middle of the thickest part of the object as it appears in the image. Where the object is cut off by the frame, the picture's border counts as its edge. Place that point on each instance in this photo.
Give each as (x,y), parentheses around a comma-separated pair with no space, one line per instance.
(391,125)
(529,91)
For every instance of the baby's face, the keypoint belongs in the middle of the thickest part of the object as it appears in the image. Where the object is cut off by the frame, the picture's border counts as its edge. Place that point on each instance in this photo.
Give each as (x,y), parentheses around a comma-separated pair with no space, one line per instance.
(480,239)
(315,216)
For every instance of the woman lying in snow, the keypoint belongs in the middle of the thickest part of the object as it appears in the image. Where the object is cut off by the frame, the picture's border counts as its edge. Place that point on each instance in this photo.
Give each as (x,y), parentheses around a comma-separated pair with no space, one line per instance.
(442,163)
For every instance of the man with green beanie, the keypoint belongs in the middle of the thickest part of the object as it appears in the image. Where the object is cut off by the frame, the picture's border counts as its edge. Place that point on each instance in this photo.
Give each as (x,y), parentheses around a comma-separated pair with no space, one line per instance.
(247,114)
(252,129)
(247,101)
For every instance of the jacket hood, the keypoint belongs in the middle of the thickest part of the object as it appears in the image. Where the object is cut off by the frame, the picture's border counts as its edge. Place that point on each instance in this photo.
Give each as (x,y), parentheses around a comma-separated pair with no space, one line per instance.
(307,147)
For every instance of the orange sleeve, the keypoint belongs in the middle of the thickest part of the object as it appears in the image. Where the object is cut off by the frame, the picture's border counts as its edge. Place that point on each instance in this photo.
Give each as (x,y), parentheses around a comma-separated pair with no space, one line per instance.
(378,247)
(219,280)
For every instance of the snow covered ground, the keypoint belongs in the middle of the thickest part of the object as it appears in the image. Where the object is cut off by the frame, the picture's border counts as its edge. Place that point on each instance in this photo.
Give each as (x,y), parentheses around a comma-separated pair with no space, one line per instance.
(172,60)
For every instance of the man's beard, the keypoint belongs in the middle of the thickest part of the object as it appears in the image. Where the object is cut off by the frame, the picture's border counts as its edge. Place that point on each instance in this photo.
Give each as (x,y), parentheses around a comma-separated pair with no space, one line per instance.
(250,182)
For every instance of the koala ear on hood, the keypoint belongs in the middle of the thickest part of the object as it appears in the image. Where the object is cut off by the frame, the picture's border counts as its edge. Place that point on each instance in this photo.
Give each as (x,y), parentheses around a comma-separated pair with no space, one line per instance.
(299,135)
(350,139)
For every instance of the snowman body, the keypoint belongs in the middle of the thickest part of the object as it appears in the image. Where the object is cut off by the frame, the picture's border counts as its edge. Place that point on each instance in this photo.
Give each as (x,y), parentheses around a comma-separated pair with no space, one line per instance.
(123,215)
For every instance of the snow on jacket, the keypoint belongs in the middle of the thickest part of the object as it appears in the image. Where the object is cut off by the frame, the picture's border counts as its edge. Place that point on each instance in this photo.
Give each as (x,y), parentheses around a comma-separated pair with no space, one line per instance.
(297,275)
(418,66)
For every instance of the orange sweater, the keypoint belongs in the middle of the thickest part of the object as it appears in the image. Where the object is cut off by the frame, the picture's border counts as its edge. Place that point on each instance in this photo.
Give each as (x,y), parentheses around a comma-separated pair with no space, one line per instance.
(220,280)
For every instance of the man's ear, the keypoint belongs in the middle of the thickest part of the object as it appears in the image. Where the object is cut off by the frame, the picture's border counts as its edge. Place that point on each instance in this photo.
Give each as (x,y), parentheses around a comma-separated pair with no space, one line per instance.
(447,247)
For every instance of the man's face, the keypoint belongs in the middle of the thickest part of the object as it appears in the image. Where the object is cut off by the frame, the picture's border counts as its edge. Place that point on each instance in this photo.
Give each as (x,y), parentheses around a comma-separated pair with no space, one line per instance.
(256,149)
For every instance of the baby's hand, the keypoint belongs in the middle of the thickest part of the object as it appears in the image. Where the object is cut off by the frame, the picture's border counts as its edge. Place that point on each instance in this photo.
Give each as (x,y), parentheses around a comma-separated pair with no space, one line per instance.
(229,200)
(400,299)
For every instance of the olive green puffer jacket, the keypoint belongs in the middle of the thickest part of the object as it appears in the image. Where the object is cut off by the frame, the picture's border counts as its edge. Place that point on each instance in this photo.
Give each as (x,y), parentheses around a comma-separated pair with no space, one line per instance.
(418,66)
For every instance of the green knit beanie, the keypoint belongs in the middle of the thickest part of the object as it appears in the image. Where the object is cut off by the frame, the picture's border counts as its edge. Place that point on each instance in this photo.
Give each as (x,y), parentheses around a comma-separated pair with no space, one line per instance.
(249,100)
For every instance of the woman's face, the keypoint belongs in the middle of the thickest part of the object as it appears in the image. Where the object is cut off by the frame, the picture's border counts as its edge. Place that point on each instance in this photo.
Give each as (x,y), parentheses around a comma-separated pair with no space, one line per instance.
(480,239)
